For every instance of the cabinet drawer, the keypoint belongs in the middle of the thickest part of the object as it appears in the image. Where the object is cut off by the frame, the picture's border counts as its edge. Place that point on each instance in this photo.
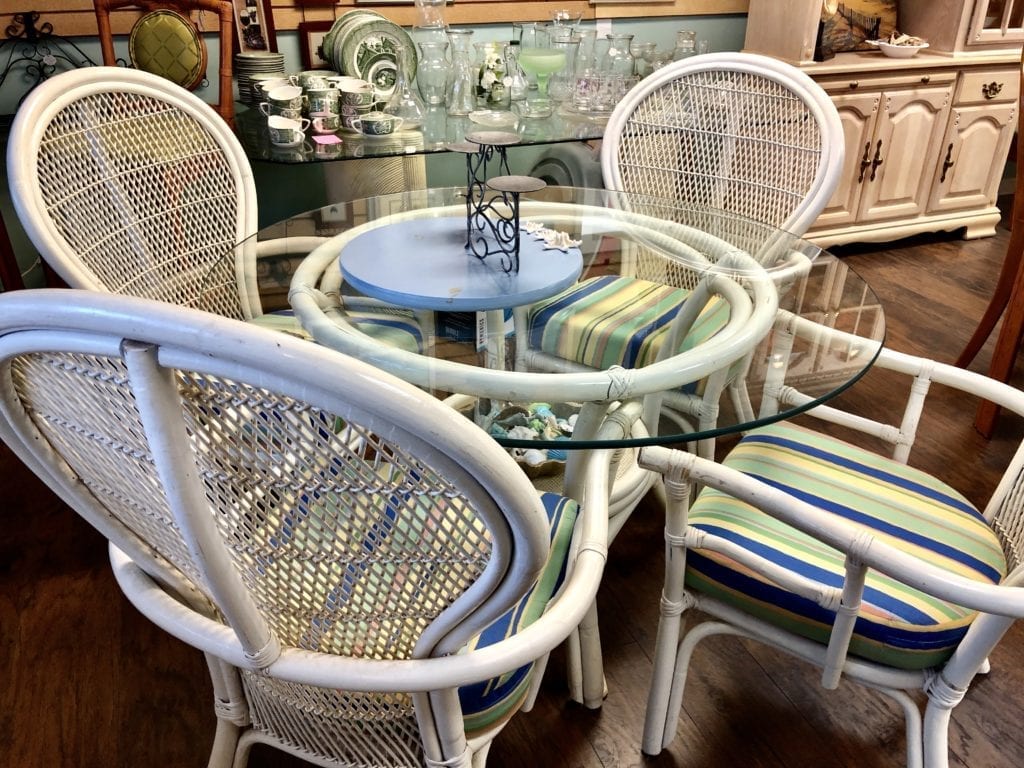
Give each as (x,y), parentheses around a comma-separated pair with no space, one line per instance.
(852,84)
(988,86)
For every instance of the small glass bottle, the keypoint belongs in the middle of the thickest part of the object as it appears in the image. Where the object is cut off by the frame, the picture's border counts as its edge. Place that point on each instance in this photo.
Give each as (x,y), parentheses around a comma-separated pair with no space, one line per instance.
(686,45)
(462,82)
(404,102)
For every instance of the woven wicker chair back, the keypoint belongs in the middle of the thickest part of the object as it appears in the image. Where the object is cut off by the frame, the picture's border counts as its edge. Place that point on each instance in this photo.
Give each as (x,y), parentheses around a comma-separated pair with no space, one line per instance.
(737,132)
(305,501)
(128,183)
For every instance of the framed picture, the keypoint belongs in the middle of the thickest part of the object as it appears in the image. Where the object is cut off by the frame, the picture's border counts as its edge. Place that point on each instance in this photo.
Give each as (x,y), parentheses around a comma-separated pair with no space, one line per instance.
(311,35)
(255,24)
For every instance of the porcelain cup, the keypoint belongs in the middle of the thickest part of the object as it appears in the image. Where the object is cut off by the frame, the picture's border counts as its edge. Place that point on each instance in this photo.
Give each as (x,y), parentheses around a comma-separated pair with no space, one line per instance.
(263,84)
(377,123)
(286,96)
(285,132)
(322,100)
(358,94)
(324,122)
(313,78)
(270,110)
(339,81)
(349,116)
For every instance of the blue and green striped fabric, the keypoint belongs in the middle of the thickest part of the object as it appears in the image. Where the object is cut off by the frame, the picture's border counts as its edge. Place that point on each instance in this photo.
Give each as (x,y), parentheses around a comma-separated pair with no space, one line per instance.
(609,320)
(486,704)
(395,330)
(908,509)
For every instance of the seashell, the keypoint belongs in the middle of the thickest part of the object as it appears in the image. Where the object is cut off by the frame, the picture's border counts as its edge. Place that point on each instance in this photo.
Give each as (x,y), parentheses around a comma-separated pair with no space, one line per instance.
(534,457)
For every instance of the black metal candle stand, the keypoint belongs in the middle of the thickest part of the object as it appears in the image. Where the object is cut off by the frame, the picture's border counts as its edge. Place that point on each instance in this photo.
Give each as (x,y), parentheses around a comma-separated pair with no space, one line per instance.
(492,205)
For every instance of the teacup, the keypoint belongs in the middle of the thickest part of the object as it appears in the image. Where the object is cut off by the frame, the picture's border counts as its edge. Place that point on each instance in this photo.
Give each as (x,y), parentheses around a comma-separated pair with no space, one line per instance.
(358,94)
(270,110)
(286,96)
(285,132)
(350,117)
(322,100)
(312,78)
(339,81)
(324,122)
(377,123)
(263,84)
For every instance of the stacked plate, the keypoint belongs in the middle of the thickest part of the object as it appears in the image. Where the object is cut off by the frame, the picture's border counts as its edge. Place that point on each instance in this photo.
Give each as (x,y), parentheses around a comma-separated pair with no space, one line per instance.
(252,66)
(366,45)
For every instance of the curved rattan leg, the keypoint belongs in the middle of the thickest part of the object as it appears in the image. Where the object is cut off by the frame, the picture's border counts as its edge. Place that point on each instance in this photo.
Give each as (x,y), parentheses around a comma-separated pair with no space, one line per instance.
(225,746)
(936,735)
(244,747)
(591,661)
(536,678)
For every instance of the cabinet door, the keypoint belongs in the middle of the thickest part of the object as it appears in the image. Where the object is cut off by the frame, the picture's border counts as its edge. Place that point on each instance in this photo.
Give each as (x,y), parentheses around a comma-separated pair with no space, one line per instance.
(910,125)
(972,156)
(857,112)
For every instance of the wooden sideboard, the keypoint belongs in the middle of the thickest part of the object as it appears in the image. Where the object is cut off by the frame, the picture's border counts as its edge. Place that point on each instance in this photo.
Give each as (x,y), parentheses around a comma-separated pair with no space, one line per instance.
(927,138)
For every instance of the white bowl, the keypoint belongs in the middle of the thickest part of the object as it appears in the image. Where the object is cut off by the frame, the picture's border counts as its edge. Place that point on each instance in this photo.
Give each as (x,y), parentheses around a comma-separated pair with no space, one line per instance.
(897,51)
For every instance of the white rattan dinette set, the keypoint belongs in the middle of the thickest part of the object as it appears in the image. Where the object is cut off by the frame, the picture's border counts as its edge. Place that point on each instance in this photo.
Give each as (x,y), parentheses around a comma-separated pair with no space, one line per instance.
(372,578)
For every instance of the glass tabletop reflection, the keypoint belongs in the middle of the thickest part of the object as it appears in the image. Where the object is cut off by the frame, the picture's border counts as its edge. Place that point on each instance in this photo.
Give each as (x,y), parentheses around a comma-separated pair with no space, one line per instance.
(485,362)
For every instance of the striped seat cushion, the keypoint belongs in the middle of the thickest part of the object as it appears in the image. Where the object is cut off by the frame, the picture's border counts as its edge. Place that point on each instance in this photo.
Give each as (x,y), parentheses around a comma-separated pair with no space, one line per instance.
(609,320)
(898,625)
(396,330)
(486,704)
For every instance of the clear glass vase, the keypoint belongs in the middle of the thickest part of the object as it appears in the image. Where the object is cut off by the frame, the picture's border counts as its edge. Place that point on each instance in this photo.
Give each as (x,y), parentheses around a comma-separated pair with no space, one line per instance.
(463,76)
(432,72)
(686,45)
(518,84)
(619,59)
(491,90)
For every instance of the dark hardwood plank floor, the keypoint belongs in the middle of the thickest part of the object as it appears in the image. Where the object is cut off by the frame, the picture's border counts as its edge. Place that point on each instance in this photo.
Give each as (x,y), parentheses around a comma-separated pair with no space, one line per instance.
(88,682)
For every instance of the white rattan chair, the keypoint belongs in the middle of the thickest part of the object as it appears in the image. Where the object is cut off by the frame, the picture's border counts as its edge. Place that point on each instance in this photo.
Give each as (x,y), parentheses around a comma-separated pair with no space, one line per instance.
(842,556)
(734,324)
(352,556)
(126,182)
(740,133)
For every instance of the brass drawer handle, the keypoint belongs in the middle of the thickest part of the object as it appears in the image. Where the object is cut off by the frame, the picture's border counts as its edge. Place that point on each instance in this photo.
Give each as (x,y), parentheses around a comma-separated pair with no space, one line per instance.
(926,79)
(991,90)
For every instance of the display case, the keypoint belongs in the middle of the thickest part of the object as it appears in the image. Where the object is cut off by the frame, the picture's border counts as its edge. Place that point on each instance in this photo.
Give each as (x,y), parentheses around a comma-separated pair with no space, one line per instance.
(965,26)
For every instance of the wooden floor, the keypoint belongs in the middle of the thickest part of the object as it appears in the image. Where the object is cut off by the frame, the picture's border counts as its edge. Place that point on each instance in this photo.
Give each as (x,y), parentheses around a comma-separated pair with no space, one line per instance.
(86,681)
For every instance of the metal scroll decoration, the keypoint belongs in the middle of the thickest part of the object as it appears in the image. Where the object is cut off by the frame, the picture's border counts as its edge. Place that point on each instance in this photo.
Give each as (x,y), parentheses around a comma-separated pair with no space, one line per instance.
(36,52)
(492,205)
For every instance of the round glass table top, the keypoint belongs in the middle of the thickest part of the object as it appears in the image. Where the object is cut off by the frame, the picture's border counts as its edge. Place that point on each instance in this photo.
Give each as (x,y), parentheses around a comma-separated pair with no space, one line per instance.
(701,319)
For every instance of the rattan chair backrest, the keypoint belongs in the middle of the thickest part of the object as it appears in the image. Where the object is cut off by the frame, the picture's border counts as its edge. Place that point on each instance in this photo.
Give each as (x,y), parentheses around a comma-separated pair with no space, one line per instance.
(128,183)
(733,131)
(305,504)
